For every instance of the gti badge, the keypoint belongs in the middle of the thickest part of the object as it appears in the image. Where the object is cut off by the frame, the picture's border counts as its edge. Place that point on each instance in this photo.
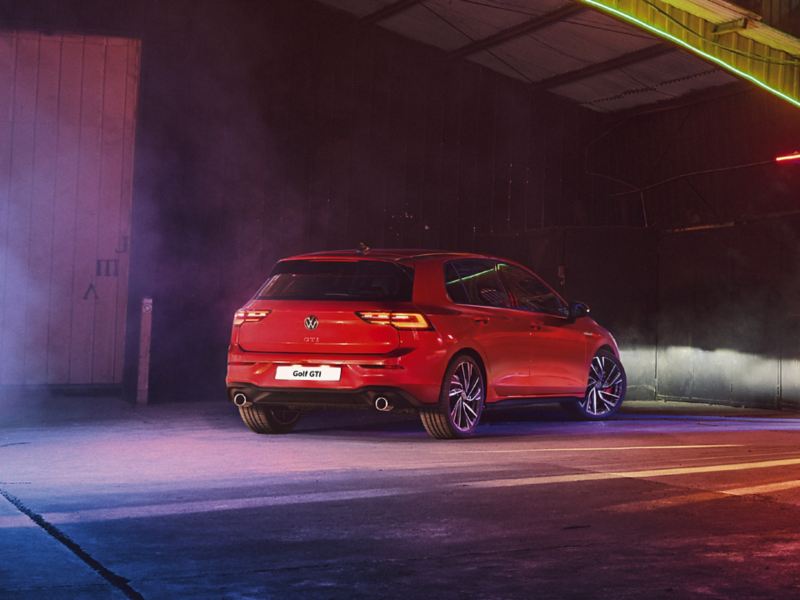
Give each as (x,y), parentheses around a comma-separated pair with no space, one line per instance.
(311,322)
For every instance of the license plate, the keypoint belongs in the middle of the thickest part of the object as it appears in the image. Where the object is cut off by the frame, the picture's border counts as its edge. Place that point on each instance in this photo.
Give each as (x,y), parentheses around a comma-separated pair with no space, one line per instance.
(301,373)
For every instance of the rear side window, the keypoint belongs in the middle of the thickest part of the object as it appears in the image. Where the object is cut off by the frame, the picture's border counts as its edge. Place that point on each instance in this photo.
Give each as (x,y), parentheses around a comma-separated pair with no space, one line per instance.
(338,280)
(475,281)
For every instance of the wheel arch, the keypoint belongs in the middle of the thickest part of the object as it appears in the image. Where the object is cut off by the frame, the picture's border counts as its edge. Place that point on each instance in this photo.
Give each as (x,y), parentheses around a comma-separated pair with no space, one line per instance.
(608,348)
(471,352)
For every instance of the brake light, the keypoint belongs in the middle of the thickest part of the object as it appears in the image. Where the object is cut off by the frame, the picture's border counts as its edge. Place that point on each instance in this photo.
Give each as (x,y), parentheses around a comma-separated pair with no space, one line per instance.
(398,320)
(249,316)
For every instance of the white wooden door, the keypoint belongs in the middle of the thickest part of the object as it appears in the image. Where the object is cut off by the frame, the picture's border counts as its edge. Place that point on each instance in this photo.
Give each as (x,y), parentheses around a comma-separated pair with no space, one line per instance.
(67,123)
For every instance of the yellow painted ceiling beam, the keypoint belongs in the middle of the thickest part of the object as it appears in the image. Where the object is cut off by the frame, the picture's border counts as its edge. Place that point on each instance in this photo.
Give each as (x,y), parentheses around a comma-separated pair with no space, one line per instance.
(754,52)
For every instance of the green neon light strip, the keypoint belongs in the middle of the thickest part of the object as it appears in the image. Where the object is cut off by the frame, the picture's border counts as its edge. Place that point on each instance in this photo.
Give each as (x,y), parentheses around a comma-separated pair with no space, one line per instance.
(651,28)
(473,276)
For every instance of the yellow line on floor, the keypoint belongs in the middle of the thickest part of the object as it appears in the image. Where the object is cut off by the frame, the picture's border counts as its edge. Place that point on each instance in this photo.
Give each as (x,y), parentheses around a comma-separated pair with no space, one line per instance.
(763,489)
(607,449)
(705,496)
(644,474)
(669,502)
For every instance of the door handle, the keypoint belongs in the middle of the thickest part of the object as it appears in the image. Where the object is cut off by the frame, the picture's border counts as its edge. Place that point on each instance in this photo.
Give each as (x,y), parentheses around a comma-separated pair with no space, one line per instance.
(481,320)
(536,327)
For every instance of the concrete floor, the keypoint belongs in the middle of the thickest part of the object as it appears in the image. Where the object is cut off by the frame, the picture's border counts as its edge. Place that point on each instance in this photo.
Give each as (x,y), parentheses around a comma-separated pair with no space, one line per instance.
(181,501)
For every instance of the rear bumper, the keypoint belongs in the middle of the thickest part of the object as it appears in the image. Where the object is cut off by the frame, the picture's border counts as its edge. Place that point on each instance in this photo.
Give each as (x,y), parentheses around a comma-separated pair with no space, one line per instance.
(410,378)
(306,399)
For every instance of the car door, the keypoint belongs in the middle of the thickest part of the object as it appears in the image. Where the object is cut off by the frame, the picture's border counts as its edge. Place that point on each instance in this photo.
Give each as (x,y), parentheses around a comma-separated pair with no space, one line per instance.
(557,347)
(499,331)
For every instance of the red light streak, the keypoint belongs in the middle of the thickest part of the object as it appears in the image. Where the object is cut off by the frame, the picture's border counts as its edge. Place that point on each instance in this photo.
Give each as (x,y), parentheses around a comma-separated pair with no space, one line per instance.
(788,157)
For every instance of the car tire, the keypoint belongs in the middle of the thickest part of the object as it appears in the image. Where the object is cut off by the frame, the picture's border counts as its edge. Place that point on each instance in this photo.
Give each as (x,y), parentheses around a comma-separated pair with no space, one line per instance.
(262,419)
(605,391)
(461,401)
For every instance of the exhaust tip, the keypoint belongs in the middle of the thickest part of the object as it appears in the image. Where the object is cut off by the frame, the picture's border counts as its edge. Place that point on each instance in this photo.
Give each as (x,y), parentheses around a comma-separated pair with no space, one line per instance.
(382,404)
(239,399)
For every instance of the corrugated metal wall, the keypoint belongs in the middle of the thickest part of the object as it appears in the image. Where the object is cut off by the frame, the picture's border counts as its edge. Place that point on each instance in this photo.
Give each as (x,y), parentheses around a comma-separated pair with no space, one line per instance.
(67,106)
(729,318)
(707,163)
(775,12)
(727,297)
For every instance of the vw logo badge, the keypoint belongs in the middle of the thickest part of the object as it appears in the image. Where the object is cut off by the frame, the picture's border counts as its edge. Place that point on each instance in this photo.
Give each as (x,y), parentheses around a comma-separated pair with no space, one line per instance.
(311,322)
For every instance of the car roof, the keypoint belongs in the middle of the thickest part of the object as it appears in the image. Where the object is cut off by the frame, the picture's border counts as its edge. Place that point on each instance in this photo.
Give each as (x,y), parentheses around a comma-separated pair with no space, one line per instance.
(392,254)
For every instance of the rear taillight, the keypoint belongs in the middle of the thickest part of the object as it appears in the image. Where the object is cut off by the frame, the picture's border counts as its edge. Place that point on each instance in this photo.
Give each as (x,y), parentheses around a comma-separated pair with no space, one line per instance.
(398,320)
(249,316)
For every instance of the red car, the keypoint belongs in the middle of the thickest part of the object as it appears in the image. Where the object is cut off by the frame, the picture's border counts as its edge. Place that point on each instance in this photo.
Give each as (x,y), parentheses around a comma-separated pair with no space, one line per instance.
(442,334)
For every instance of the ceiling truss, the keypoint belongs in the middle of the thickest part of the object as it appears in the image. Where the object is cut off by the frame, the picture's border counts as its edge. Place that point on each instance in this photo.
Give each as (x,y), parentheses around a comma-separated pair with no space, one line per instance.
(721,33)
(516,31)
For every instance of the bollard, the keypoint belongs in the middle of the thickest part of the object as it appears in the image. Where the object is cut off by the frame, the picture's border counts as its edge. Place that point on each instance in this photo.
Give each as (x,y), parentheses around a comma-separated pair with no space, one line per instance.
(143,381)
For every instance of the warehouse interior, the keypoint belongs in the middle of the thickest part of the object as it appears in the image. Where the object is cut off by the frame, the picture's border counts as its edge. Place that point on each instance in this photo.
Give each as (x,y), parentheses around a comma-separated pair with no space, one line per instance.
(630,172)
(157,157)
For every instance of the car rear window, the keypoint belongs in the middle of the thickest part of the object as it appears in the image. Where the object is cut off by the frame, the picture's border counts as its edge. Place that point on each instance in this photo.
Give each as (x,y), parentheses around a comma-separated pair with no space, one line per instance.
(338,280)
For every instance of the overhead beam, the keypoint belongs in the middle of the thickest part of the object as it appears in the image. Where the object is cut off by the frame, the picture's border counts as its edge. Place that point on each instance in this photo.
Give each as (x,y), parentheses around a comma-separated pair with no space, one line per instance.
(759,54)
(388,11)
(603,67)
(523,28)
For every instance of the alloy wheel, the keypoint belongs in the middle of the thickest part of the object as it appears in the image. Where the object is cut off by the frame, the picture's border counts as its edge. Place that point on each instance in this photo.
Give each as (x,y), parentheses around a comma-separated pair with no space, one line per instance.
(465,396)
(605,389)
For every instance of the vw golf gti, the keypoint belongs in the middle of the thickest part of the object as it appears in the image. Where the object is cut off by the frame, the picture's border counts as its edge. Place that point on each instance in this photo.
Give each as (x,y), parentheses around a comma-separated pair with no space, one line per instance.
(442,334)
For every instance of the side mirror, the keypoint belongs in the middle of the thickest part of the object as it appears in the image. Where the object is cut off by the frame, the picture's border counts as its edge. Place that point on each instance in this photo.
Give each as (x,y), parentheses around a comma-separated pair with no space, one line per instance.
(578,310)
